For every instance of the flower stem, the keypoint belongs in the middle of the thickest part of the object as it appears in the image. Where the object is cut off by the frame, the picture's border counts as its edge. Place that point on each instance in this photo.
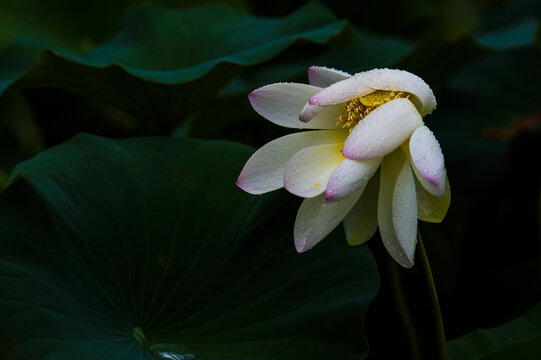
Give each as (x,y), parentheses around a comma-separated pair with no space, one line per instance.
(404,311)
(436,312)
(426,334)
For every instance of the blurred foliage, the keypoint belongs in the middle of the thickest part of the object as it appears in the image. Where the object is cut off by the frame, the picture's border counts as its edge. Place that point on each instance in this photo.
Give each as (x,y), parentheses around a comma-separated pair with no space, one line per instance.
(518,339)
(154,69)
(77,25)
(122,69)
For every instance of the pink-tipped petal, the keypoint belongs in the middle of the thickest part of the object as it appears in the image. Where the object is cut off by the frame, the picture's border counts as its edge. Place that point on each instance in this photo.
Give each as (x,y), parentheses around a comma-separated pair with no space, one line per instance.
(427,159)
(362,221)
(321,117)
(315,219)
(264,171)
(378,79)
(397,208)
(349,176)
(282,103)
(383,130)
(322,76)
(308,112)
(308,171)
(340,92)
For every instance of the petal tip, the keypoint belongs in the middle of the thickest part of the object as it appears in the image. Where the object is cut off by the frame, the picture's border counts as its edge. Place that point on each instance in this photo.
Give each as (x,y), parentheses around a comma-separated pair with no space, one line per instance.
(408,265)
(331,195)
(351,154)
(252,97)
(240,182)
(303,118)
(348,154)
(245,184)
(330,199)
(438,183)
(314,100)
(301,247)
(404,260)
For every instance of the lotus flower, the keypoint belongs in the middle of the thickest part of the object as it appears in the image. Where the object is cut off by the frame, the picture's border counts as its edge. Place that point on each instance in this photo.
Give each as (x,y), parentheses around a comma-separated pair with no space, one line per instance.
(372,162)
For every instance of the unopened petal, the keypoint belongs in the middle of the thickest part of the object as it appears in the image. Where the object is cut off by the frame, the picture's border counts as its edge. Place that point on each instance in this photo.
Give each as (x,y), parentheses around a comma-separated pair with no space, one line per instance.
(323,76)
(349,176)
(308,171)
(382,130)
(308,112)
(315,219)
(362,221)
(378,79)
(282,103)
(397,208)
(264,171)
(427,159)
(432,208)
(340,92)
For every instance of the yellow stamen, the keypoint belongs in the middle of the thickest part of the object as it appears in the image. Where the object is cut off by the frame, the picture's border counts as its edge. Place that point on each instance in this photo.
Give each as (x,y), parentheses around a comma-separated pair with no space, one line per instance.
(357,108)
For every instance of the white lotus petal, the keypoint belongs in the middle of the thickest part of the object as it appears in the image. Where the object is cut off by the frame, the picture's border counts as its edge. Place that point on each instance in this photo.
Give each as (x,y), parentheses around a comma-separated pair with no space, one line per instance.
(315,219)
(432,208)
(362,221)
(264,171)
(322,76)
(395,208)
(349,176)
(282,103)
(427,158)
(308,171)
(405,211)
(378,79)
(383,130)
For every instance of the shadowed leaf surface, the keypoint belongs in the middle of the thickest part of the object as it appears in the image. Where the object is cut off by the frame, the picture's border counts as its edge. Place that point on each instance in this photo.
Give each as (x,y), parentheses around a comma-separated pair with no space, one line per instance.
(518,339)
(123,249)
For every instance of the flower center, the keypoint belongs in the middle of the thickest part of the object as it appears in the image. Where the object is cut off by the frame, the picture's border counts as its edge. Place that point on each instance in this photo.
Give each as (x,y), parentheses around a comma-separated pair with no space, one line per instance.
(357,108)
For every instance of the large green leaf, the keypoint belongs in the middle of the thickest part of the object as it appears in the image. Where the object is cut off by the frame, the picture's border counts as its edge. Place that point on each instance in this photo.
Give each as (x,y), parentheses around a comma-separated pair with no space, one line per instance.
(111,247)
(232,116)
(368,50)
(163,64)
(75,24)
(518,339)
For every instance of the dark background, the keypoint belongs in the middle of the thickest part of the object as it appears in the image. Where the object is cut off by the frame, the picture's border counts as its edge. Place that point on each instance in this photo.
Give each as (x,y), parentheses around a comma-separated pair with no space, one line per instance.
(485,255)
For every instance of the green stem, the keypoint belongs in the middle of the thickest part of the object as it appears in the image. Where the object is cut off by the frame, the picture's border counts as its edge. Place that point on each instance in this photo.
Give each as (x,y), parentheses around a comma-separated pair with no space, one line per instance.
(426,335)
(404,310)
(436,312)
(539,230)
